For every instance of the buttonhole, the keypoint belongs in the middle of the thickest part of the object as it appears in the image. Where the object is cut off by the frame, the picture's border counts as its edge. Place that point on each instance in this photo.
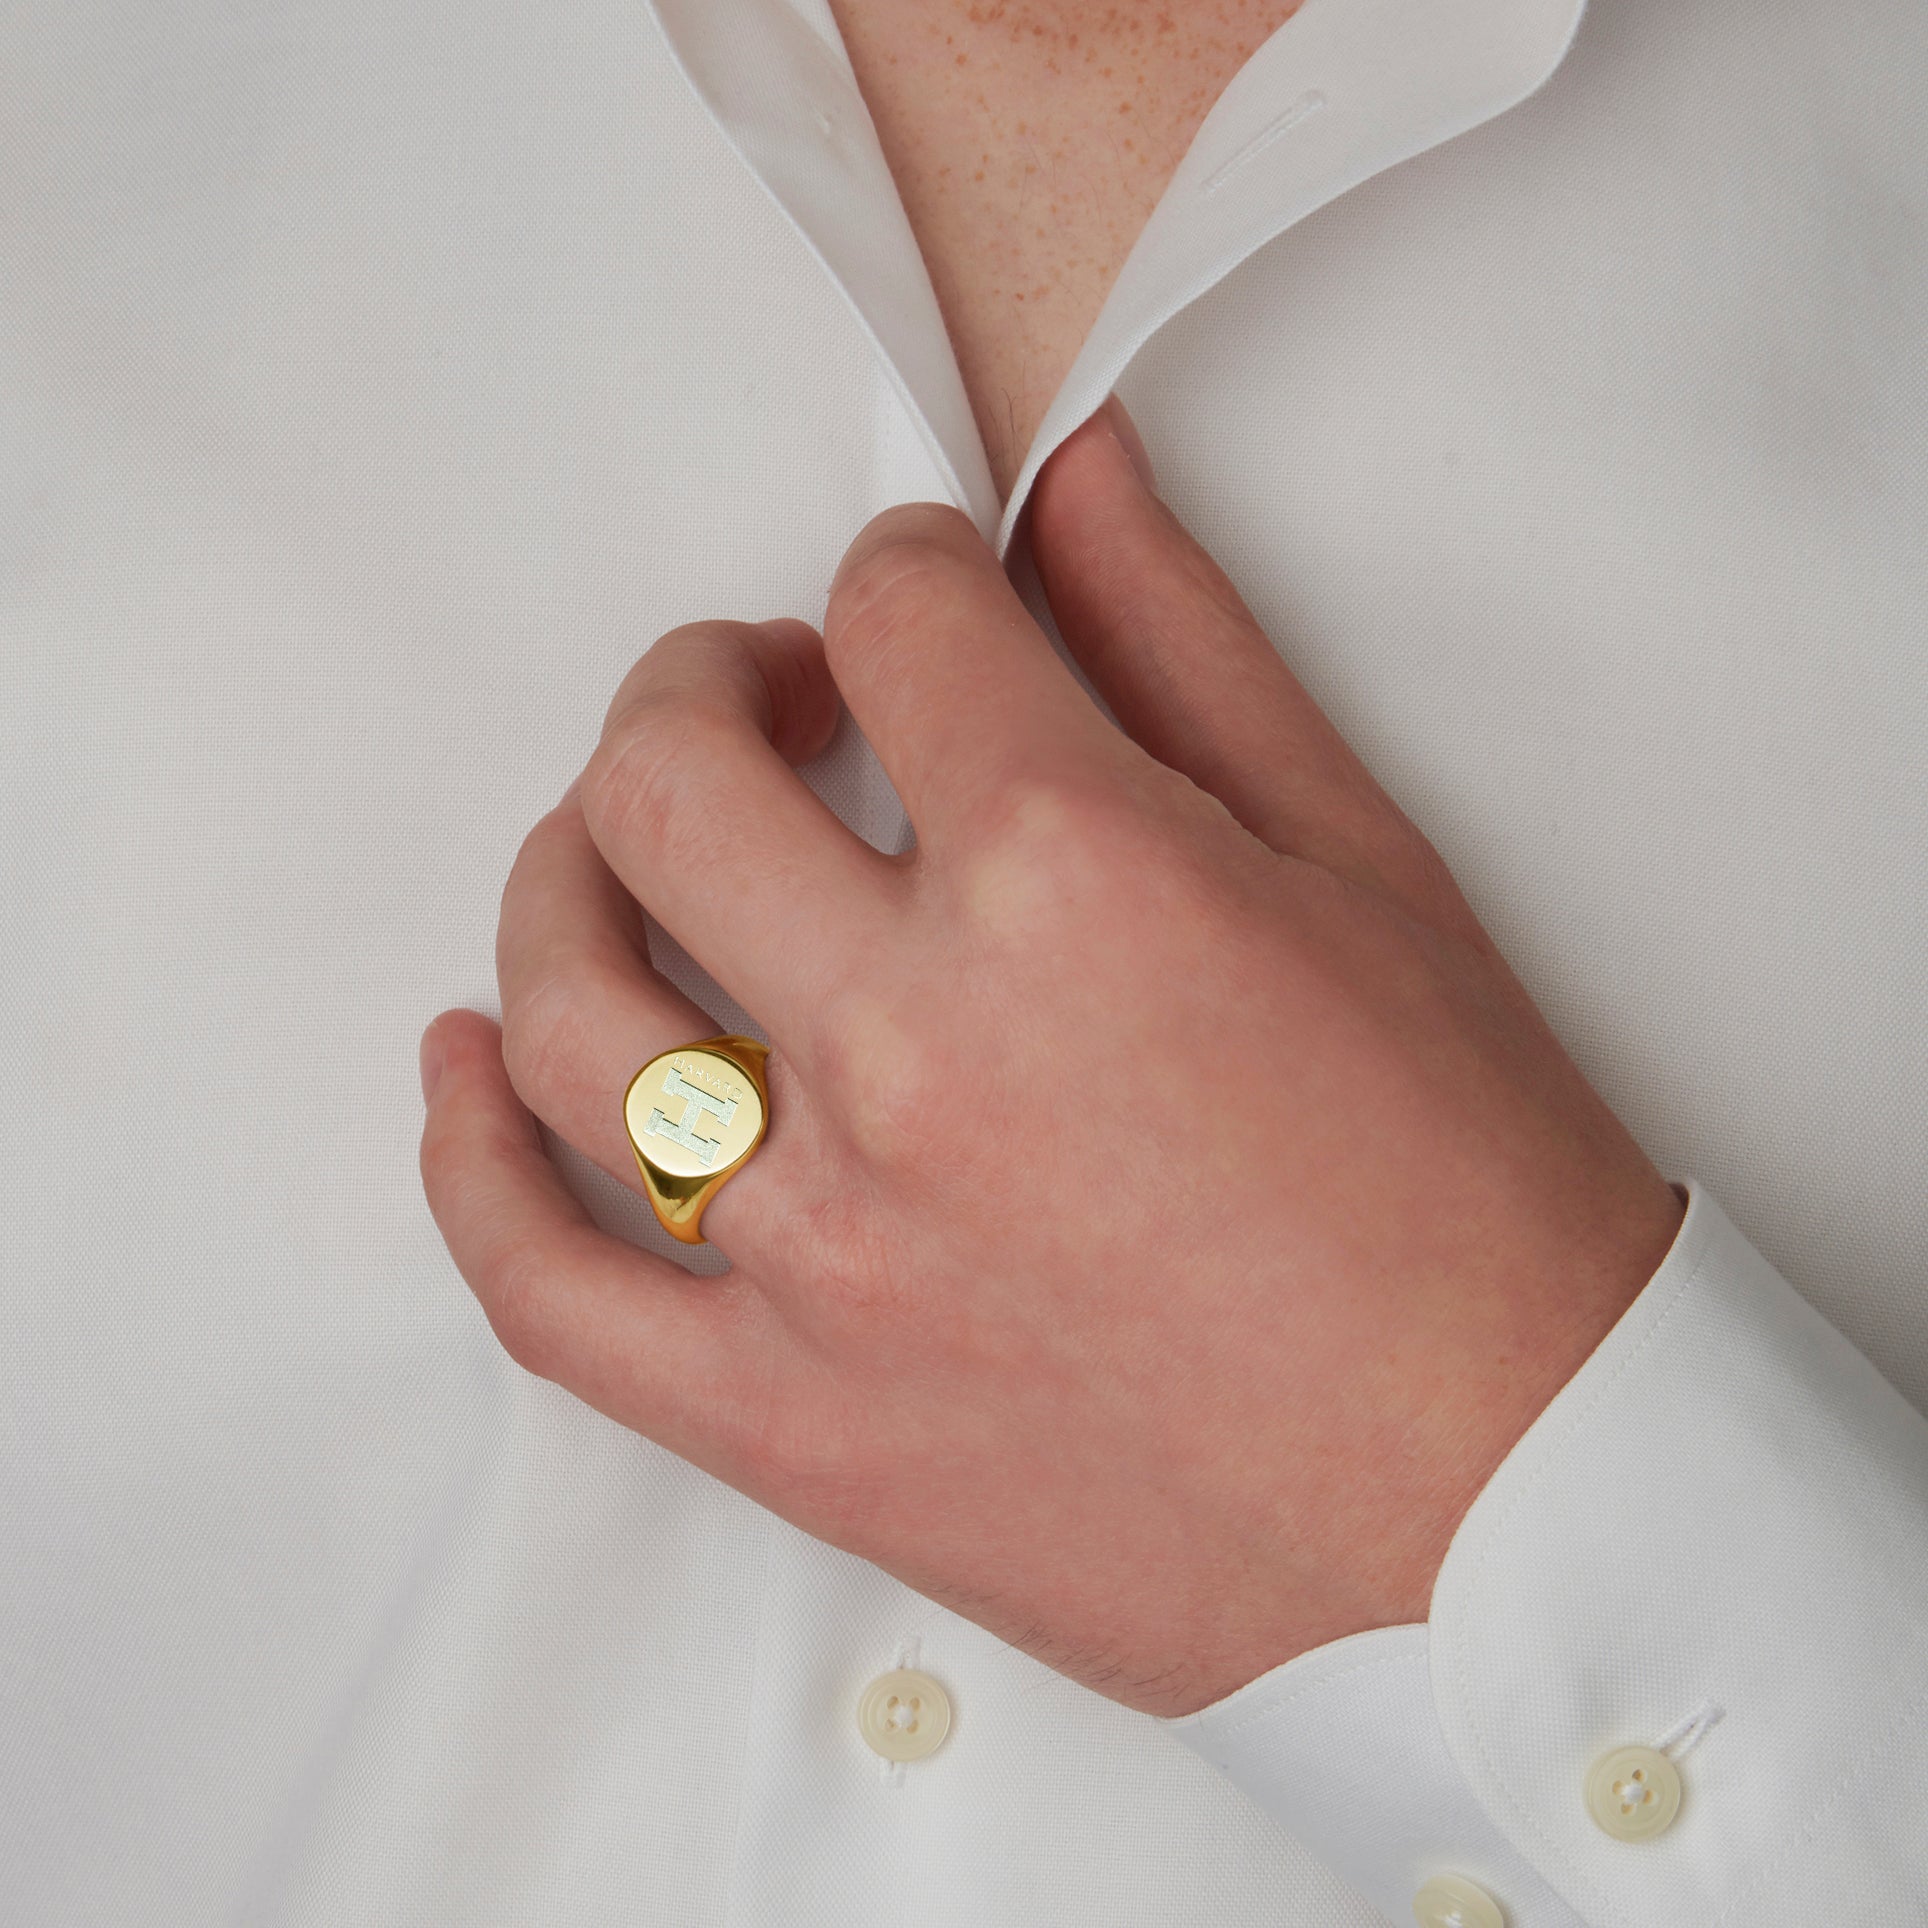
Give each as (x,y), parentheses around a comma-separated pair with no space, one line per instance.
(1302,109)
(1684,1736)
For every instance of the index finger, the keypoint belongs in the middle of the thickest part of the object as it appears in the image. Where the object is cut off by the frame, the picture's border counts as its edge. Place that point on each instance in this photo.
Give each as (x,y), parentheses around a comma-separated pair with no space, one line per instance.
(705,823)
(957,688)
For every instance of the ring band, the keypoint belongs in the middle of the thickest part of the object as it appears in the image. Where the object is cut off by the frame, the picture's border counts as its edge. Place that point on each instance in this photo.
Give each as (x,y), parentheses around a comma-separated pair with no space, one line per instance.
(695,1115)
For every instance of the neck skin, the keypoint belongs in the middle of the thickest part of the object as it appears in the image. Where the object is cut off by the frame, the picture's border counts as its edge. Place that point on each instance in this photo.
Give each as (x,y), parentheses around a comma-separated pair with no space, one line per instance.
(1030,141)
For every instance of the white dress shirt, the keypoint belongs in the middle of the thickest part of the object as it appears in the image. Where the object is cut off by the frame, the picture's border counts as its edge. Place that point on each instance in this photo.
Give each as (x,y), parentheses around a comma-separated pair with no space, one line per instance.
(377,379)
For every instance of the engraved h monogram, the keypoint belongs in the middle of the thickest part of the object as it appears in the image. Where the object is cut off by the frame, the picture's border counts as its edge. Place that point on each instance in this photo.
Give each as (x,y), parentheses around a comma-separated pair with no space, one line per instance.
(683,1131)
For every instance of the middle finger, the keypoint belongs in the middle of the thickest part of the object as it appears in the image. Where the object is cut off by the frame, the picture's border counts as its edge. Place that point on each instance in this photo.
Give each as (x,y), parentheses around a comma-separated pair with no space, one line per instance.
(956,687)
(695,809)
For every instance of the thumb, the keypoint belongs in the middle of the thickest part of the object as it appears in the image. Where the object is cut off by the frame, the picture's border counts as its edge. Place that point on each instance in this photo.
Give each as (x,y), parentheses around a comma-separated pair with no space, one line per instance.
(1184,666)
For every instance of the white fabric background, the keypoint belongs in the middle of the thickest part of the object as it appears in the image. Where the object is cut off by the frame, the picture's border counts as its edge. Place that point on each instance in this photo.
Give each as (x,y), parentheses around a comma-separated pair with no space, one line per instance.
(375,382)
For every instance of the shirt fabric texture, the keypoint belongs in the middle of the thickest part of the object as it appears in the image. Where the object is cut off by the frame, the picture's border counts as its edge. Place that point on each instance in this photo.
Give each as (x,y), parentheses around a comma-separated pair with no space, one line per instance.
(376,382)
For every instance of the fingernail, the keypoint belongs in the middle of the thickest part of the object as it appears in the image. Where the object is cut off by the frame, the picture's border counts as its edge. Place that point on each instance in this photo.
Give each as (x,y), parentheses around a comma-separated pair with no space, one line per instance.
(433,1051)
(1130,440)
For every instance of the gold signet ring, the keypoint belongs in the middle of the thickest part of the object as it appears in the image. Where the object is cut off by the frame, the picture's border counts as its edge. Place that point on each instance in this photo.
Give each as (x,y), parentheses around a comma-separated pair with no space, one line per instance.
(695,1115)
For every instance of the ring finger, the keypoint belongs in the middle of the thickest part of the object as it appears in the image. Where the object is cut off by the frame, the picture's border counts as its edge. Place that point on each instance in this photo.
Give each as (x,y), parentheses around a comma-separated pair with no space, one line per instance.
(583,1008)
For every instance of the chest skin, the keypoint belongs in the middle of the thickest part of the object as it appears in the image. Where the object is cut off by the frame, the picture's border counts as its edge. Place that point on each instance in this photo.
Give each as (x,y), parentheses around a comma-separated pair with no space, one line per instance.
(1030,141)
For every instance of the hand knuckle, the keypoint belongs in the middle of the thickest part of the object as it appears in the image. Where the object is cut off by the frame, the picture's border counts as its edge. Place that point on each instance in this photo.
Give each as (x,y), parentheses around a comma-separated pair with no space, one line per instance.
(676,658)
(643,775)
(893,586)
(1428,867)
(884,1073)
(516,1300)
(1413,865)
(1047,811)
(718,661)
(1046,851)
(546,1040)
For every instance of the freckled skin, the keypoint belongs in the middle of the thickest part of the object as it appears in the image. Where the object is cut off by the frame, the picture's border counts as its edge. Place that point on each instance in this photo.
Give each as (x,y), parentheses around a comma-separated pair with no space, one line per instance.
(1030,141)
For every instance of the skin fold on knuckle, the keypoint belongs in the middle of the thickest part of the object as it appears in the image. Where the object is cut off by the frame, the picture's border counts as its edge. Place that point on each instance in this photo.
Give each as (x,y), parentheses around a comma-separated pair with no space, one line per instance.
(467,1201)
(690,655)
(652,770)
(1417,875)
(522,914)
(877,1063)
(924,525)
(816,1216)
(803,701)
(552,1037)
(740,668)
(514,1293)
(891,588)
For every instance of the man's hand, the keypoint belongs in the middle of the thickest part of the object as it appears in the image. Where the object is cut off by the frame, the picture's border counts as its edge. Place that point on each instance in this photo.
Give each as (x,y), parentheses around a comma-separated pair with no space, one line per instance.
(1173,1207)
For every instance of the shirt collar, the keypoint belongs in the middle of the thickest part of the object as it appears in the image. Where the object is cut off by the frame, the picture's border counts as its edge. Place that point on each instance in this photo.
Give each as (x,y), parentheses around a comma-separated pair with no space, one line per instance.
(1340,92)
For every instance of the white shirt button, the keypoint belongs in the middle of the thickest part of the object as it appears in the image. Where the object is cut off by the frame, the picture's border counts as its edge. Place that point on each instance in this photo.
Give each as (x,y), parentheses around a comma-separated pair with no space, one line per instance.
(1451,1901)
(904,1715)
(1633,1793)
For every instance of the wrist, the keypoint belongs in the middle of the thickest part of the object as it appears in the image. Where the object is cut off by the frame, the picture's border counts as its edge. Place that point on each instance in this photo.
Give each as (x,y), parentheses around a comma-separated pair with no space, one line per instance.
(1470,1400)
(1521,1349)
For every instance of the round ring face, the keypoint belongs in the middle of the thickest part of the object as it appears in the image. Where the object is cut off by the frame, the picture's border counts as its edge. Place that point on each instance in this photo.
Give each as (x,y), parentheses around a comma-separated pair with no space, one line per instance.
(692,1113)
